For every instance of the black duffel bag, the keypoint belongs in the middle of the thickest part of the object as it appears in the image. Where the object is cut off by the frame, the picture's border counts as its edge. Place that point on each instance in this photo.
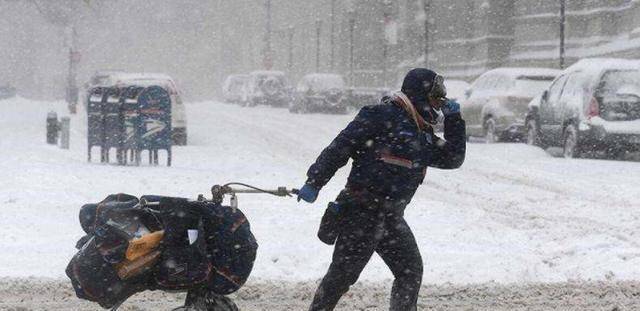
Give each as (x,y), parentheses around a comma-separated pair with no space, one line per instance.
(218,260)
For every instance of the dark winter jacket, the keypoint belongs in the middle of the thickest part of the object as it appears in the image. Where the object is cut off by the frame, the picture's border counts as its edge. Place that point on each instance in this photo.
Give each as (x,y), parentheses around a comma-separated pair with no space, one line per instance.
(390,155)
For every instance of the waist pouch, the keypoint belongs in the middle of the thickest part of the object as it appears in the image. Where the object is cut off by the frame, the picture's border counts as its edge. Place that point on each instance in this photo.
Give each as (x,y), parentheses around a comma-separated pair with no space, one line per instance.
(330,223)
(334,215)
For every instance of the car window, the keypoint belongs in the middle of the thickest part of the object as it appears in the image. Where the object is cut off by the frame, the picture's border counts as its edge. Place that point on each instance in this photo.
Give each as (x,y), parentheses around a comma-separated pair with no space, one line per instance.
(530,86)
(303,86)
(503,83)
(575,87)
(482,84)
(615,81)
(556,89)
(490,83)
(479,83)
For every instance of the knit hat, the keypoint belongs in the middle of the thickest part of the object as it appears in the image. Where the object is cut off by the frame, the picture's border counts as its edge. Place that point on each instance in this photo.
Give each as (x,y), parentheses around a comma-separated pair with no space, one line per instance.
(418,84)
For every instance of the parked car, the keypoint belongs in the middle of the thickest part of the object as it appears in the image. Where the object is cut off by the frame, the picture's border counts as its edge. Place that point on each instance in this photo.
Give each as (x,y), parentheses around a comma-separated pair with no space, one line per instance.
(7,91)
(234,89)
(320,92)
(594,105)
(359,97)
(178,113)
(497,102)
(269,88)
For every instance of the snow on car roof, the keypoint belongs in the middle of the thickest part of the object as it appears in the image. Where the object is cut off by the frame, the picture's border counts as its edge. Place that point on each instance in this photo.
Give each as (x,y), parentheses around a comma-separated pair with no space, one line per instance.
(322,81)
(513,81)
(525,71)
(138,78)
(141,76)
(238,76)
(596,65)
(143,80)
(323,76)
(267,73)
(234,78)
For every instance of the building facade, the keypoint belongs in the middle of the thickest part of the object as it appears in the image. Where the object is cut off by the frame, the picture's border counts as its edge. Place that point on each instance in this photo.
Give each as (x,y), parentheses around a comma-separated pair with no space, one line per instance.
(468,37)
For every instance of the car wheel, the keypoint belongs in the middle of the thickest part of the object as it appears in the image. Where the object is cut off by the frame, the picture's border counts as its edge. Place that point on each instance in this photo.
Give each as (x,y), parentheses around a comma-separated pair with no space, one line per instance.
(490,134)
(304,107)
(208,301)
(252,102)
(294,108)
(533,133)
(617,154)
(571,143)
(179,136)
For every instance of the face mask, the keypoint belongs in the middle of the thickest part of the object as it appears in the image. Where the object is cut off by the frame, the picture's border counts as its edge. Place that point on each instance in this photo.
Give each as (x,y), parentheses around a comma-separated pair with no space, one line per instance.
(428,113)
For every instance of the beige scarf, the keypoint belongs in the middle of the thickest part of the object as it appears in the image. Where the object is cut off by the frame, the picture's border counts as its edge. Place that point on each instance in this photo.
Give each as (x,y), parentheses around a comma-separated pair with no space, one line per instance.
(405,103)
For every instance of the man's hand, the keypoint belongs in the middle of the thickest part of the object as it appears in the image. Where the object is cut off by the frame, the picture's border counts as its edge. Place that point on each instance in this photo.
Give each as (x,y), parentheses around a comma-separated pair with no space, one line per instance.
(308,193)
(451,107)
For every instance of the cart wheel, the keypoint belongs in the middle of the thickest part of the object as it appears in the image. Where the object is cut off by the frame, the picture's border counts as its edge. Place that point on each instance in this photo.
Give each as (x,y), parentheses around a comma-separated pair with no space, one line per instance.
(204,300)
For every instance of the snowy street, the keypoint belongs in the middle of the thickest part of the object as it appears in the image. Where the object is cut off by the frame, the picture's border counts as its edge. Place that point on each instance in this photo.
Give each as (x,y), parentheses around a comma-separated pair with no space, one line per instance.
(511,214)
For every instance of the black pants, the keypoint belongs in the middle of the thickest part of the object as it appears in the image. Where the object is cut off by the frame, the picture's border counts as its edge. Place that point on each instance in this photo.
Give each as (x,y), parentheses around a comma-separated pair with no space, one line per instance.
(364,230)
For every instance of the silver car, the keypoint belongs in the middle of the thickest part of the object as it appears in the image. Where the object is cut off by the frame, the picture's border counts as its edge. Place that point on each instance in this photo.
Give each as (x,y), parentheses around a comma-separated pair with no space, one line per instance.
(497,102)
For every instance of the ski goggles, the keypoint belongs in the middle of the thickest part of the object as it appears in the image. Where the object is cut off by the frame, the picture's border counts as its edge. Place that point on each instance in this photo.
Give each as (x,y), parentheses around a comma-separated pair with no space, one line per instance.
(438,90)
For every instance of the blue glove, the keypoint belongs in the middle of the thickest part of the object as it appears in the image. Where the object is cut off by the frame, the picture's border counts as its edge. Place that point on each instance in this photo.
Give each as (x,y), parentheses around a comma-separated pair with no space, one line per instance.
(450,108)
(308,193)
(335,207)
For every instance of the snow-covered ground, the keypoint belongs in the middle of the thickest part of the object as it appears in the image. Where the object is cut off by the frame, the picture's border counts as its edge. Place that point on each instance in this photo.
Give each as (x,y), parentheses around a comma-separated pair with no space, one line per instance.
(512,213)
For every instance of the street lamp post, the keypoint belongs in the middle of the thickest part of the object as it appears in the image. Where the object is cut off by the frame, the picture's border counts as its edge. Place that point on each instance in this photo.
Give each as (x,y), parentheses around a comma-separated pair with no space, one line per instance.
(427,8)
(268,56)
(333,21)
(72,81)
(562,31)
(318,31)
(290,37)
(386,20)
(352,26)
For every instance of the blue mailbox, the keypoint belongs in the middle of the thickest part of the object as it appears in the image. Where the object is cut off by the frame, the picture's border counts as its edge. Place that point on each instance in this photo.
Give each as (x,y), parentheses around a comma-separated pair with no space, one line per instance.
(154,123)
(95,121)
(113,122)
(130,118)
(131,123)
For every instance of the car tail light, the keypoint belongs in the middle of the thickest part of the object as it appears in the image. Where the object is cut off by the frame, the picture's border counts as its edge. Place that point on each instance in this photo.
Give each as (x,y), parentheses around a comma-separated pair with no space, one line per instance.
(593,110)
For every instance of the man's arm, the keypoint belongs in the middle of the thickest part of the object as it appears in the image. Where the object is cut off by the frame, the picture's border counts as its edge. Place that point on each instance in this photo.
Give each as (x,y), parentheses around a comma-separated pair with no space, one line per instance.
(450,152)
(364,127)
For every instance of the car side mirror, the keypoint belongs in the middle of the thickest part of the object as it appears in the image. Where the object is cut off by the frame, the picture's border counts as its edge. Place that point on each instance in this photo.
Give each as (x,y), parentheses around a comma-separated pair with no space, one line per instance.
(545,95)
(467,93)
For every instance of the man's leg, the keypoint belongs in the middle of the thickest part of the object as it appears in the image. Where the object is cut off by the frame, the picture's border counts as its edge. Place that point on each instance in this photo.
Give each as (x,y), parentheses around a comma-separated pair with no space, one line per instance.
(361,231)
(399,250)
